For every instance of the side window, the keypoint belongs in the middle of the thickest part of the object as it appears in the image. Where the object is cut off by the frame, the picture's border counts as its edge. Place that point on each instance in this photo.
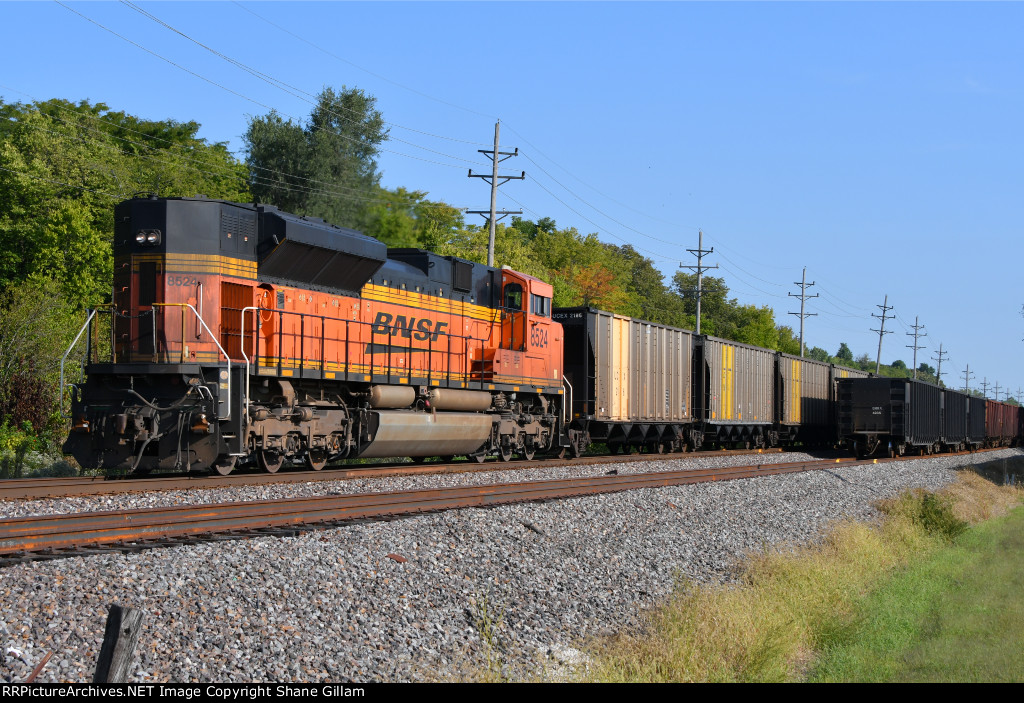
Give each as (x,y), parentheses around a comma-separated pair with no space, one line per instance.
(539,305)
(513,296)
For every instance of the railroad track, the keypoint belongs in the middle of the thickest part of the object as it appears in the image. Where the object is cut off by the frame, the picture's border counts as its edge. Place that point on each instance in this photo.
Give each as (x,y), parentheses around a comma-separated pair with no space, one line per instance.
(46,537)
(12,489)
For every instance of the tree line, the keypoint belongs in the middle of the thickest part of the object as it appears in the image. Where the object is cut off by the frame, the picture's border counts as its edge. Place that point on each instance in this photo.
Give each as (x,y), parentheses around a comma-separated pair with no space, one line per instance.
(63,166)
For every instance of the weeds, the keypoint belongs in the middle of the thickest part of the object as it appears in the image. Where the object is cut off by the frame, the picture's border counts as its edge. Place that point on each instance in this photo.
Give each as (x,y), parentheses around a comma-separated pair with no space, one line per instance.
(787,603)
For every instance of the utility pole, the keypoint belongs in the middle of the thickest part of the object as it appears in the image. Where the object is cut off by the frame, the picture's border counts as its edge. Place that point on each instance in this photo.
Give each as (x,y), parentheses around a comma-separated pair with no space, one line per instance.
(699,252)
(881,331)
(493,178)
(996,390)
(804,285)
(984,387)
(938,371)
(917,333)
(967,379)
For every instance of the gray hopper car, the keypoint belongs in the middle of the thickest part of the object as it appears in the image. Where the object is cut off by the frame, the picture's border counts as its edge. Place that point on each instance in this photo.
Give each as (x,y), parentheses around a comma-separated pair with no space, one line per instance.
(641,385)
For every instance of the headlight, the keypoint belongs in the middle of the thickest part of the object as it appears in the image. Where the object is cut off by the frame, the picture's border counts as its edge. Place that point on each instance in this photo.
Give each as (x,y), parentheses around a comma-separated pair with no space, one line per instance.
(149,237)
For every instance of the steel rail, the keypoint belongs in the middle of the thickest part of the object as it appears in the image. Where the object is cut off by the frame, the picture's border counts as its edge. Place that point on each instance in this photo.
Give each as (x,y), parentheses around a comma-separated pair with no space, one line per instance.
(57,532)
(98,485)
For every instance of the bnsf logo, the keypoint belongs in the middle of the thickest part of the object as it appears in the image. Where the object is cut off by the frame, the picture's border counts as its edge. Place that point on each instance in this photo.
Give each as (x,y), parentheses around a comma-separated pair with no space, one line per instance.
(421,329)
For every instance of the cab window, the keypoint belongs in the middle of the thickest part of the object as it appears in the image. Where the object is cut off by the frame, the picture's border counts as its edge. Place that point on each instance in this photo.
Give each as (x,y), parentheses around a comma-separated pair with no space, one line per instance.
(513,296)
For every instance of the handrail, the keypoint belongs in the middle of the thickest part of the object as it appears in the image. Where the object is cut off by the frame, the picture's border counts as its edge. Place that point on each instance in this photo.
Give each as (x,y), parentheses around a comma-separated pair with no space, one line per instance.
(466,341)
(241,346)
(568,406)
(212,336)
(88,321)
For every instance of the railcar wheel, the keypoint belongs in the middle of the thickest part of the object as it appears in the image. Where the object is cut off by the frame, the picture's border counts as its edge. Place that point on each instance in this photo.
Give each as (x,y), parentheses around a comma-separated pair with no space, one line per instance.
(529,452)
(225,464)
(479,457)
(270,461)
(505,452)
(316,460)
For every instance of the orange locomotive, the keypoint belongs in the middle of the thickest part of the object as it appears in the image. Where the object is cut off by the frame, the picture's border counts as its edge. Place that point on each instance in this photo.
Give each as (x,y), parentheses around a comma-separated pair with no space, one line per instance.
(241,334)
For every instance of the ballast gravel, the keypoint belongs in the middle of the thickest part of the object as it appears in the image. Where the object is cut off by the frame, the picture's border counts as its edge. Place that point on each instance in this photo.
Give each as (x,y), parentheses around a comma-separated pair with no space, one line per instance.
(430,597)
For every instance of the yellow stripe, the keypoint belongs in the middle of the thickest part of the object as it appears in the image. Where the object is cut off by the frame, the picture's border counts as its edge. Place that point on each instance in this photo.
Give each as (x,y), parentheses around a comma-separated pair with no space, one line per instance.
(196,263)
(795,391)
(430,303)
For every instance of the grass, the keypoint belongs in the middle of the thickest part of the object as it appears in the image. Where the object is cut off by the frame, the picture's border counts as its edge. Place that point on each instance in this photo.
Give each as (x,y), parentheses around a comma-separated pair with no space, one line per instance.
(957,616)
(807,611)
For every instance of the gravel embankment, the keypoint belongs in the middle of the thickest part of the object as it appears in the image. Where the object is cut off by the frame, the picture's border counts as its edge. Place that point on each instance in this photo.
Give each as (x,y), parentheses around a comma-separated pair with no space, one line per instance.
(332,605)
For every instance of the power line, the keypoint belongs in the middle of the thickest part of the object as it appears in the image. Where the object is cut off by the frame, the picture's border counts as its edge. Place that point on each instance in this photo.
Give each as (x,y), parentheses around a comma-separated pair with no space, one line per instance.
(804,285)
(62,183)
(375,75)
(881,331)
(699,252)
(277,83)
(219,171)
(967,378)
(495,157)
(234,92)
(938,371)
(915,334)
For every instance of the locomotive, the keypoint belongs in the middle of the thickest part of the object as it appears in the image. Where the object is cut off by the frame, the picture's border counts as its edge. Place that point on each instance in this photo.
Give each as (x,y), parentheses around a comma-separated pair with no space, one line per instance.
(240,334)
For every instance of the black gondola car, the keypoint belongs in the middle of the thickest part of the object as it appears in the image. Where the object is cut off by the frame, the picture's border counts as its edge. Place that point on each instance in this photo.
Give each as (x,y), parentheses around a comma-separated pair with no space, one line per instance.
(889,415)
(975,421)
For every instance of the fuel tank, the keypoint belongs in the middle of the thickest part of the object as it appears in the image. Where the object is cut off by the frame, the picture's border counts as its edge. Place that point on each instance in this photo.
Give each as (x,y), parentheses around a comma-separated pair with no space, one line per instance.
(419,434)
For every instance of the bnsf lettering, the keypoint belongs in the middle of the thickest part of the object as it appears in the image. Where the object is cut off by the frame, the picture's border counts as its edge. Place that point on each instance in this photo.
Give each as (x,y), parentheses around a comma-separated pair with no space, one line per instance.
(424,328)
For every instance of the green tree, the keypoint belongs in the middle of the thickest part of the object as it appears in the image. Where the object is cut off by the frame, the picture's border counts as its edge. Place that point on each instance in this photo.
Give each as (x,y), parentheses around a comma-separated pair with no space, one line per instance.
(63,166)
(844,354)
(649,299)
(326,167)
(403,218)
(818,354)
(36,326)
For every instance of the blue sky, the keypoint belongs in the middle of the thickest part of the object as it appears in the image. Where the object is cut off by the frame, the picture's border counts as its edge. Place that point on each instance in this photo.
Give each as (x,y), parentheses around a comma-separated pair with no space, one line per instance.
(877,144)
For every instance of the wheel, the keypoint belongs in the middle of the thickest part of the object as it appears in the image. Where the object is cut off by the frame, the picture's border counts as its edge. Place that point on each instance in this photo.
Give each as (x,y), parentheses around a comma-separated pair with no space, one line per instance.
(225,464)
(529,452)
(505,452)
(316,459)
(271,461)
(479,457)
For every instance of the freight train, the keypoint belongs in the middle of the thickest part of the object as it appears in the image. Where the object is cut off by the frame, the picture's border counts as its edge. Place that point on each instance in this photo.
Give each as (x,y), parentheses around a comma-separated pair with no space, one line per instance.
(242,335)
